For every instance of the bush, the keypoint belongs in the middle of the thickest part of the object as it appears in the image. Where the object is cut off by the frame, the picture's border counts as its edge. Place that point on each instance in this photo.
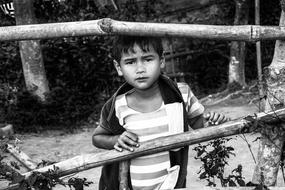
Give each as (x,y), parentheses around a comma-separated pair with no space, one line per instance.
(80,72)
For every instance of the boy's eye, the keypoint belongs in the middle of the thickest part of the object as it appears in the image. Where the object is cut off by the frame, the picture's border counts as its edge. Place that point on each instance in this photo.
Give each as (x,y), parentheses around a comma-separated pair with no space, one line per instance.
(148,59)
(129,62)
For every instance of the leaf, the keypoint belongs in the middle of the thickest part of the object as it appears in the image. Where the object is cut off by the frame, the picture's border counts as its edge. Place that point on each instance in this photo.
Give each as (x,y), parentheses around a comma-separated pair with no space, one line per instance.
(203,175)
(241,182)
(15,165)
(232,183)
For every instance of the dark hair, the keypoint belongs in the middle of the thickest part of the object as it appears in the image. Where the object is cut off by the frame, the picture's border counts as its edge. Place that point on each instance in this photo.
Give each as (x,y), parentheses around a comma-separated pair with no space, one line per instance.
(124,44)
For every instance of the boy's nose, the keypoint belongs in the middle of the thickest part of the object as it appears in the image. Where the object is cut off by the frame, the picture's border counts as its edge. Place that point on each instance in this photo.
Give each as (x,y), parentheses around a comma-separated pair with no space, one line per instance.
(140,67)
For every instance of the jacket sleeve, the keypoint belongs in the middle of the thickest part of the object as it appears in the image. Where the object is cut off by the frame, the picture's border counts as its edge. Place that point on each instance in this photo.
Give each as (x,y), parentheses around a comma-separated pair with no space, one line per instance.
(110,122)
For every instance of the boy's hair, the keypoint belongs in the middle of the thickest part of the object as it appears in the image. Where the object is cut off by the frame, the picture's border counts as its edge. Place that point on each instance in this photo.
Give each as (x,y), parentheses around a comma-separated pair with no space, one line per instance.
(124,44)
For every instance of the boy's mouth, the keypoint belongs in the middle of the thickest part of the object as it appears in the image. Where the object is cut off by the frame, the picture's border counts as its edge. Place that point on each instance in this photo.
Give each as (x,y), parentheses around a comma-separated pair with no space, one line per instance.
(141,78)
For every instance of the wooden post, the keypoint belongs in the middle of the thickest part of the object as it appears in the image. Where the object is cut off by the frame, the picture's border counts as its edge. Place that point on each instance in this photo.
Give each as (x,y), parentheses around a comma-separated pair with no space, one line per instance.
(31,53)
(258,58)
(88,161)
(272,141)
(124,167)
(23,158)
(238,49)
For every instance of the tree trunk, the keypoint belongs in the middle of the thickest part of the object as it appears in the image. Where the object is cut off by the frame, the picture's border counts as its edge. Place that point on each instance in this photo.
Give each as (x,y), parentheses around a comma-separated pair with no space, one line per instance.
(31,54)
(237,54)
(271,143)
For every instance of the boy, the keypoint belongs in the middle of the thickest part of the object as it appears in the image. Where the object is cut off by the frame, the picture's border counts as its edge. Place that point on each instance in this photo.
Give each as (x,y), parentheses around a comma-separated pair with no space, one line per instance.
(147,106)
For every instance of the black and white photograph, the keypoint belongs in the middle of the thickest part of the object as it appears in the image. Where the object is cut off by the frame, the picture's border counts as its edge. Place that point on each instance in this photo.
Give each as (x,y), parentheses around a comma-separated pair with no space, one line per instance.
(142,94)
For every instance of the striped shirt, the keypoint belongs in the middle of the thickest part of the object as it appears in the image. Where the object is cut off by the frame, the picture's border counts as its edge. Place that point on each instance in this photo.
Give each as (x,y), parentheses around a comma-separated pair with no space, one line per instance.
(149,172)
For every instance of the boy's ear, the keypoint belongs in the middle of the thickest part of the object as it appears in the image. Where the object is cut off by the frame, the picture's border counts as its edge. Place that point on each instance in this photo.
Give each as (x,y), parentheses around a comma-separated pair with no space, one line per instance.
(118,68)
(162,62)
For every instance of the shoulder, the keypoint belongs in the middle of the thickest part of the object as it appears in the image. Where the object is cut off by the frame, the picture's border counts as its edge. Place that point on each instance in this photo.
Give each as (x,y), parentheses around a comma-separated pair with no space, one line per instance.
(183,87)
(185,91)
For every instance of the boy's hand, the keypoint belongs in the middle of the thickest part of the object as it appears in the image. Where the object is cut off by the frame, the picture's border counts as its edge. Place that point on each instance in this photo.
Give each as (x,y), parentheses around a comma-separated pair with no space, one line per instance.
(127,140)
(216,118)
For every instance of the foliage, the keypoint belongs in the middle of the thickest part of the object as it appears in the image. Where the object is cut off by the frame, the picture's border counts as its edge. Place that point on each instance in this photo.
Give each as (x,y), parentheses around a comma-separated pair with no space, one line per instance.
(214,156)
(208,69)
(79,69)
(37,180)
(80,72)
(48,180)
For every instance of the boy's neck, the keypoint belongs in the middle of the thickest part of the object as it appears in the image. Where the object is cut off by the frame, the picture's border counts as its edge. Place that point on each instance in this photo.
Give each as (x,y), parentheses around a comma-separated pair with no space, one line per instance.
(147,93)
(145,100)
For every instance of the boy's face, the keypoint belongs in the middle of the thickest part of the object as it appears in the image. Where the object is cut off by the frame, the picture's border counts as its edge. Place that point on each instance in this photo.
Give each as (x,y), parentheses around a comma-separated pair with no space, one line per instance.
(140,69)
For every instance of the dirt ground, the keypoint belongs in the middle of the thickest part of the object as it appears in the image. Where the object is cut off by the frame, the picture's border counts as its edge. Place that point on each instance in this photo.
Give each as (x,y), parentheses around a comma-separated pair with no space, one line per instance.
(58,146)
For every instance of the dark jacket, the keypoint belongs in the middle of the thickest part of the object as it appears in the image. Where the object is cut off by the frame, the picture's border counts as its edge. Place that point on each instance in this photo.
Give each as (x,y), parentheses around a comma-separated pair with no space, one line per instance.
(170,94)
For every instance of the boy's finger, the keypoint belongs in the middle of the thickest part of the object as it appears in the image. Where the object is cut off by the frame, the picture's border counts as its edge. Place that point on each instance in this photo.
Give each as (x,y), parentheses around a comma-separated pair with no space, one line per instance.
(116,147)
(214,117)
(132,136)
(124,143)
(130,141)
(207,116)
(125,139)
(220,119)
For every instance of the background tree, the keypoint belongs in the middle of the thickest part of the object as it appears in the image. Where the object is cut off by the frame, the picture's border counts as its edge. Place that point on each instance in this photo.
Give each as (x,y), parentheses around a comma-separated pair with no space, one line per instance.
(273,136)
(31,54)
(238,49)
(79,69)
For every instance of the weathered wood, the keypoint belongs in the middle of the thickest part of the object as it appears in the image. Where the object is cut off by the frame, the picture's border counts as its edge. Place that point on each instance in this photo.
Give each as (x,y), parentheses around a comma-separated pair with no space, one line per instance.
(228,188)
(272,141)
(237,51)
(31,53)
(258,55)
(123,175)
(112,27)
(23,158)
(88,161)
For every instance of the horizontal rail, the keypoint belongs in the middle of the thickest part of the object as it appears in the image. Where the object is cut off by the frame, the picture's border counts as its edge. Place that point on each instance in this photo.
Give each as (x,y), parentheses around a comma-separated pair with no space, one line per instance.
(228,188)
(88,161)
(108,26)
(24,159)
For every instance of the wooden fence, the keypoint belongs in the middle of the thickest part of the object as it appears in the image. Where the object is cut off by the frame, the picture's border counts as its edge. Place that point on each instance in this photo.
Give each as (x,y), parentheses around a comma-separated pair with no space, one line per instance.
(107,26)
(88,161)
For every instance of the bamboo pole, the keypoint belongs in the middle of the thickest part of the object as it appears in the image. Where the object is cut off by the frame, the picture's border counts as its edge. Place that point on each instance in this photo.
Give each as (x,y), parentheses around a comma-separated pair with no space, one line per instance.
(124,167)
(88,161)
(23,158)
(229,188)
(258,57)
(108,26)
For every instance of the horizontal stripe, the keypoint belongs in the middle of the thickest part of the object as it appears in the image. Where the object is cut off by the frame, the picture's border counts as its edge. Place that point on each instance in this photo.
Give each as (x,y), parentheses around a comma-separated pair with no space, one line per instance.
(152,168)
(153,155)
(146,176)
(123,110)
(152,130)
(185,97)
(196,113)
(145,161)
(148,182)
(192,100)
(195,106)
(147,124)
(150,137)
(146,116)
(152,187)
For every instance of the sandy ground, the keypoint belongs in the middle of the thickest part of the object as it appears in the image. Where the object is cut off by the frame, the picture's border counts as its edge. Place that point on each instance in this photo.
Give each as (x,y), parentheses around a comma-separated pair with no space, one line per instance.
(58,146)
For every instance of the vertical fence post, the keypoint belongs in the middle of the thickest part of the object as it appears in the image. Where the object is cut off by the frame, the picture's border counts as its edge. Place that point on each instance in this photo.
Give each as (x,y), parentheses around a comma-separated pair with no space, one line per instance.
(258,57)
(124,167)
